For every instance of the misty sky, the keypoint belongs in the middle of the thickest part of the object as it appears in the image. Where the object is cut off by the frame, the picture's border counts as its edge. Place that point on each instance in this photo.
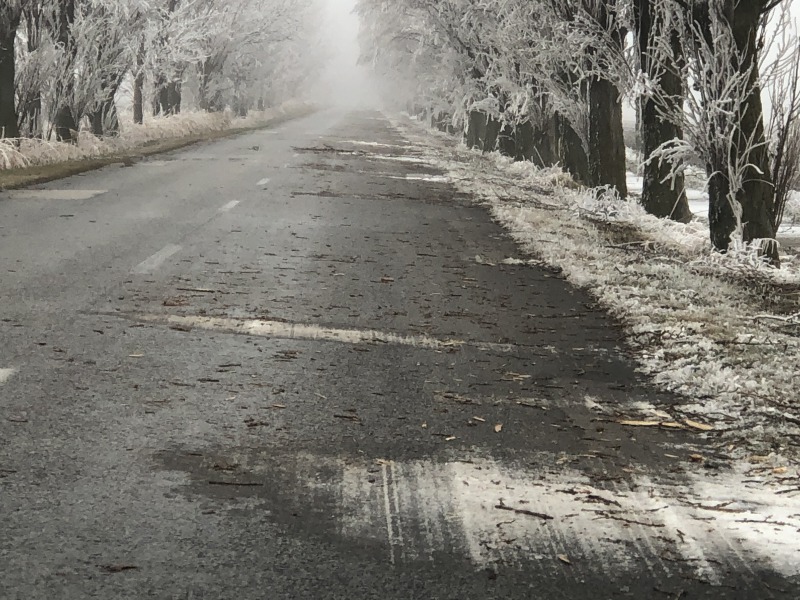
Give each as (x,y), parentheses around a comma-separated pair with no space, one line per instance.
(346,83)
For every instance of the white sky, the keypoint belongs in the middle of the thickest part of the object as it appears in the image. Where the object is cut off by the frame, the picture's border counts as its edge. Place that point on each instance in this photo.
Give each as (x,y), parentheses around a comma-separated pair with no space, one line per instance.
(345,83)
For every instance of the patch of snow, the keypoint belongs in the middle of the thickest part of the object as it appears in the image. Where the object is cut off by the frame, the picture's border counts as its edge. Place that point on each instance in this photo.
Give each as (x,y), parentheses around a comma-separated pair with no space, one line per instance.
(496,513)
(405,159)
(28,152)
(372,144)
(635,183)
(430,178)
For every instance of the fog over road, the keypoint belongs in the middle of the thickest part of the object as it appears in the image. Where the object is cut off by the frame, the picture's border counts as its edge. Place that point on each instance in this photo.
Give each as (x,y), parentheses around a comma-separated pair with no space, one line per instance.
(298,364)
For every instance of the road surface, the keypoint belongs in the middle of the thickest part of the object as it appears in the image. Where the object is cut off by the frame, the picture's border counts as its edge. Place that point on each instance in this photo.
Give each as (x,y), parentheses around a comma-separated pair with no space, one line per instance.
(298,364)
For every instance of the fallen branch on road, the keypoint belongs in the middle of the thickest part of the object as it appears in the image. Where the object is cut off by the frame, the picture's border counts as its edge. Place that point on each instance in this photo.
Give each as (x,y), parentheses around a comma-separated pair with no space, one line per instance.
(523,511)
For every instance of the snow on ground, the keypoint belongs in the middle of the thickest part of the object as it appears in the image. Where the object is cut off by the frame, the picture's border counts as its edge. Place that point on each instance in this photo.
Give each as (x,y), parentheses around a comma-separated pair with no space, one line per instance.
(28,152)
(542,513)
(722,331)
(788,234)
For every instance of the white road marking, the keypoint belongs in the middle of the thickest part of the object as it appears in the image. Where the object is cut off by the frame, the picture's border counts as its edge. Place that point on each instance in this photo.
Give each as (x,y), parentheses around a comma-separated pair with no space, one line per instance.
(405,159)
(220,158)
(299,331)
(229,206)
(6,374)
(151,264)
(374,144)
(51,194)
(430,178)
(263,182)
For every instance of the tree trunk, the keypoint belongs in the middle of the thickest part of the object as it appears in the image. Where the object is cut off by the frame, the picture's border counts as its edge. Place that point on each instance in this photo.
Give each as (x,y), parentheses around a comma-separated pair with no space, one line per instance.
(538,144)
(96,120)
(9,127)
(138,99)
(66,126)
(476,129)
(168,98)
(160,82)
(65,122)
(606,143)
(138,87)
(758,195)
(32,121)
(210,97)
(174,98)
(660,197)
(570,150)
(105,120)
(748,146)
(507,141)
(492,137)
(606,138)
(721,218)
(525,142)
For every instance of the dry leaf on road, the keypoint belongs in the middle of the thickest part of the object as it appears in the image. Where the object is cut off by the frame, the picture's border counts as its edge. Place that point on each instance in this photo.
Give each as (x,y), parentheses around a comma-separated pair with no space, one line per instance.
(698,426)
(669,424)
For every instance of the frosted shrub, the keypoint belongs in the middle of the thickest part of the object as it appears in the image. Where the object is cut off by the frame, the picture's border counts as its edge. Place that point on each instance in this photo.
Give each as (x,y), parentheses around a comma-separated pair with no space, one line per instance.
(10,156)
(31,152)
(605,204)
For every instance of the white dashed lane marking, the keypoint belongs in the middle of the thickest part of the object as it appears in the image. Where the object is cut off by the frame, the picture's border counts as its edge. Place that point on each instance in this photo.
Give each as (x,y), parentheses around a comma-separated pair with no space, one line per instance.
(6,374)
(229,206)
(151,264)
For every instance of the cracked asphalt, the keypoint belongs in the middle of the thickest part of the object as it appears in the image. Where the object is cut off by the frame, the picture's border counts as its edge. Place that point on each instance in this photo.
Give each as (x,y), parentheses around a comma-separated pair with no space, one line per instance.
(190,408)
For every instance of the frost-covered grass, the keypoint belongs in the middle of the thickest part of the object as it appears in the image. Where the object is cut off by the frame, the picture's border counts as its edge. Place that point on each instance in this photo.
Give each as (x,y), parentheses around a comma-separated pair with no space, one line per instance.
(721,331)
(26,152)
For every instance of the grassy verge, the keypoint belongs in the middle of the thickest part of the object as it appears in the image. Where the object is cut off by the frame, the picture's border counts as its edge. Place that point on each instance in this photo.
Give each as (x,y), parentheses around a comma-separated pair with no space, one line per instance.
(721,333)
(26,176)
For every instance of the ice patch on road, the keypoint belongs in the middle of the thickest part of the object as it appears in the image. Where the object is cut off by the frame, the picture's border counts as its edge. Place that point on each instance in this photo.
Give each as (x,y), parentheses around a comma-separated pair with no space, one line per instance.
(312,332)
(498,515)
(6,374)
(373,144)
(431,178)
(51,194)
(404,159)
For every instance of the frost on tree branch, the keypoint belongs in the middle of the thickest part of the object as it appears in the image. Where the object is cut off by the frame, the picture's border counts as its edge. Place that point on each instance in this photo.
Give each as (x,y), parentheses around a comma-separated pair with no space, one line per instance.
(68,63)
(726,66)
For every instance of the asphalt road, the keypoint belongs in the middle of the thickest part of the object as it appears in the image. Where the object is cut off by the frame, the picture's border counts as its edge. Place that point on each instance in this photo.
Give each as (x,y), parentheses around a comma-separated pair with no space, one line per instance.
(294,364)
